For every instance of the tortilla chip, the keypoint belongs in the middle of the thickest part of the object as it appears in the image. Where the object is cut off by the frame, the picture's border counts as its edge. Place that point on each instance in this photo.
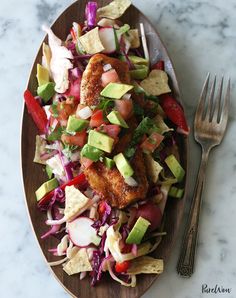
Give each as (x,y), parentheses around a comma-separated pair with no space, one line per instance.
(159,121)
(146,265)
(79,263)
(75,201)
(156,83)
(91,42)
(40,144)
(153,168)
(47,55)
(114,10)
(133,37)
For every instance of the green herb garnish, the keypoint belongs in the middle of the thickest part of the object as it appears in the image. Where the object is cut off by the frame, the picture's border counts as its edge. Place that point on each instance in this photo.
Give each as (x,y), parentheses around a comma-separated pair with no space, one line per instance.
(56,134)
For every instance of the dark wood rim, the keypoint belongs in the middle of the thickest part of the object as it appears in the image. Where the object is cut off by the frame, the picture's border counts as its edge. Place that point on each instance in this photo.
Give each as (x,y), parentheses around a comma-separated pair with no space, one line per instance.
(174,208)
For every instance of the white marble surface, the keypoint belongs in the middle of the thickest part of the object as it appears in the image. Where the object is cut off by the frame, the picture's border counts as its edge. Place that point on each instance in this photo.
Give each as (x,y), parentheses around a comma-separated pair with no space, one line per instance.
(201,37)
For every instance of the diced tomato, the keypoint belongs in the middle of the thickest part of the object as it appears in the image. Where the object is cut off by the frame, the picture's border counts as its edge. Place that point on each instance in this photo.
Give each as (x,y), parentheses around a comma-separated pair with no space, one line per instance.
(64,110)
(79,139)
(101,208)
(37,112)
(110,76)
(152,142)
(159,65)
(74,89)
(122,267)
(97,119)
(174,112)
(111,130)
(85,162)
(124,107)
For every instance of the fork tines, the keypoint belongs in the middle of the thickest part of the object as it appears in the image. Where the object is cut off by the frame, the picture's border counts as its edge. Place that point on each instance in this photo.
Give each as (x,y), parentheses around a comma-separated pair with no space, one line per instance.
(213,108)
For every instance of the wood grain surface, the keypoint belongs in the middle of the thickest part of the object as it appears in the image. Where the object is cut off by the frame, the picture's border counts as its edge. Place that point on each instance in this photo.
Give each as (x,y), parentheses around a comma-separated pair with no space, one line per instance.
(34,176)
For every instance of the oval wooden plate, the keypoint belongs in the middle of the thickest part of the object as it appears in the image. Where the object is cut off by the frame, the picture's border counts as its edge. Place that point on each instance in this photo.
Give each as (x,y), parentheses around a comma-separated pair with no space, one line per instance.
(34,176)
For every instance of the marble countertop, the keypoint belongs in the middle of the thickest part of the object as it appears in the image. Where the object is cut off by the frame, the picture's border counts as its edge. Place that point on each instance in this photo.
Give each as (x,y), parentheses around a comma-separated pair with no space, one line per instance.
(201,37)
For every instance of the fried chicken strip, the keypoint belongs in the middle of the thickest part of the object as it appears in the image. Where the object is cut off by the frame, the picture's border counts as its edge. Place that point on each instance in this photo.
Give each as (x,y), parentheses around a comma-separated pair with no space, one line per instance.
(108,182)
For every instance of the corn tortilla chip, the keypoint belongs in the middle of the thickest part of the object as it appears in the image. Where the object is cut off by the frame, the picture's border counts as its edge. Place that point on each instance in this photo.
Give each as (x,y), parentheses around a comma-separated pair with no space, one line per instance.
(91,42)
(133,38)
(153,167)
(146,265)
(114,10)
(79,263)
(159,121)
(40,144)
(75,201)
(156,83)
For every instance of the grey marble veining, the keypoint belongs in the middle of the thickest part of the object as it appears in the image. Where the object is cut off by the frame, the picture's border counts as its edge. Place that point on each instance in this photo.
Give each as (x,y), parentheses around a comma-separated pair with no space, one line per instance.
(200,37)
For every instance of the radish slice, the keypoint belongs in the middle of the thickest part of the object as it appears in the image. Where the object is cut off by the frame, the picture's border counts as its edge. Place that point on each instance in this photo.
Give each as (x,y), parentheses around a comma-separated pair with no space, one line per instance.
(82,233)
(107,37)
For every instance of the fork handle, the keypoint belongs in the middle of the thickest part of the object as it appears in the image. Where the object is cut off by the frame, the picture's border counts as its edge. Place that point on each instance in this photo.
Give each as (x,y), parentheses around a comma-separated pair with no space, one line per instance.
(185,265)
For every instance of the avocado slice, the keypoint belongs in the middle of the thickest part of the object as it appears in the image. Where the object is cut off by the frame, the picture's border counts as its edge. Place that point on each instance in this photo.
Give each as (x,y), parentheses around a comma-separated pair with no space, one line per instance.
(176,192)
(91,152)
(115,118)
(140,72)
(74,124)
(175,167)
(45,188)
(100,141)
(109,163)
(123,165)
(42,75)
(46,91)
(116,90)
(135,59)
(138,231)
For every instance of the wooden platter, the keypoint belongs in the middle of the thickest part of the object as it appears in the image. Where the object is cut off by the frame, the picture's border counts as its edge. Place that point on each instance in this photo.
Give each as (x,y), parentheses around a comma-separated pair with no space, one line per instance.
(34,176)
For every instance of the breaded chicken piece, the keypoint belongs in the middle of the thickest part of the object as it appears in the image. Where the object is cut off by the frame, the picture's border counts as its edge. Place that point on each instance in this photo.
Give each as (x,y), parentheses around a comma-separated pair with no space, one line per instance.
(91,80)
(111,185)
(108,182)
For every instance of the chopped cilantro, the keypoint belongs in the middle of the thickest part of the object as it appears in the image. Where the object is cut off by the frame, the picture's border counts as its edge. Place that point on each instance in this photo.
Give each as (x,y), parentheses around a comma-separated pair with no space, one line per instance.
(152,98)
(129,152)
(137,109)
(55,135)
(143,128)
(54,110)
(105,104)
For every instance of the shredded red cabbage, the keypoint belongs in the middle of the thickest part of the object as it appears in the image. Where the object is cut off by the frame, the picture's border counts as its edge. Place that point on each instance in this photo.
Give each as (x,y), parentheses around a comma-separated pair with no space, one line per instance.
(100,222)
(90,13)
(46,156)
(82,57)
(55,213)
(96,274)
(58,196)
(98,260)
(125,231)
(54,229)
(71,47)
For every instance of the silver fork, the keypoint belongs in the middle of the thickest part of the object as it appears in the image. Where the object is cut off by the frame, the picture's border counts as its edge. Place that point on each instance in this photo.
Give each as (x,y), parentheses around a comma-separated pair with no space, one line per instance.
(209,128)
